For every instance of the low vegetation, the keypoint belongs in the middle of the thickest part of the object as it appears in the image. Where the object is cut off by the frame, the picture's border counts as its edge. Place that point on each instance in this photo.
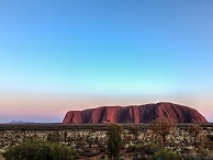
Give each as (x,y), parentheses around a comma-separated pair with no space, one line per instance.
(39,150)
(160,140)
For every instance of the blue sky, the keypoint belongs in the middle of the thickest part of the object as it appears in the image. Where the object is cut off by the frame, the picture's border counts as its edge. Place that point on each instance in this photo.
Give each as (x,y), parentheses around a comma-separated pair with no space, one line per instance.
(64,55)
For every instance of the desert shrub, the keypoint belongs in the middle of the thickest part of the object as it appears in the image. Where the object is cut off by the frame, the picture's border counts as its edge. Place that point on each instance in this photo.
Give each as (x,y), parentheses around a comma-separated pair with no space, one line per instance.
(209,142)
(54,137)
(136,147)
(39,150)
(206,155)
(166,155)
(210,137)
(151,148)
(192,155)
(201,155)
(90,153)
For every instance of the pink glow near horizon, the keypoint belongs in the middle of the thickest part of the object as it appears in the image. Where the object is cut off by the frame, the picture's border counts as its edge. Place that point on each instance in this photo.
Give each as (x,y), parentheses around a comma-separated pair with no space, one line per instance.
(52,108)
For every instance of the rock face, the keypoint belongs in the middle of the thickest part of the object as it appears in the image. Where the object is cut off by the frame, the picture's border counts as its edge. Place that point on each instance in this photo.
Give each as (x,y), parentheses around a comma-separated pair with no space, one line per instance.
(135,114)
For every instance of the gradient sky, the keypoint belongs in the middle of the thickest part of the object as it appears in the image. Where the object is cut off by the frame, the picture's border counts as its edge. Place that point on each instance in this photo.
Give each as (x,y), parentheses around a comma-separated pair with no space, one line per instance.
(65,55)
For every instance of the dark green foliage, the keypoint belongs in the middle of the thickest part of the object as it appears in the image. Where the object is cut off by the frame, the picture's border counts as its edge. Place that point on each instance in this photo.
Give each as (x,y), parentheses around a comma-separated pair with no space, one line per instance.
(165,154)
(199,155)
(206,154)
(210,137)
(151,148)
(54,137)
(134,148)
(134,130)
(65,136)
(114,144)
(191,156)
(90,152)
(39,150)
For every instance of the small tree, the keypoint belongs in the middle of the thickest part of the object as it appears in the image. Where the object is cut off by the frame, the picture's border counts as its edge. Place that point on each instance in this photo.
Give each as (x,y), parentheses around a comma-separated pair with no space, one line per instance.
(194,131)
(65,136)
(162,127)
(53,137)
(134,130)
(114,140)
(23,130)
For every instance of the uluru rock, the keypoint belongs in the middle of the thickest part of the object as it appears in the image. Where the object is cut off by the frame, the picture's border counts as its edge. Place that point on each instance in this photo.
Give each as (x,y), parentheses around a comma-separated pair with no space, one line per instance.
(135,114)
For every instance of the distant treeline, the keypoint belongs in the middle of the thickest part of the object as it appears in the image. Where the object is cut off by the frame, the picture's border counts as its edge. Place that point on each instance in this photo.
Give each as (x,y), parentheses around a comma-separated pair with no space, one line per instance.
(61,126)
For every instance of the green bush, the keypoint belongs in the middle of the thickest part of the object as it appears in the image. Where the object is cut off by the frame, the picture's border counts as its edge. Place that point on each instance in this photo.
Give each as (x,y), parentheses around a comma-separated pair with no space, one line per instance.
(136,147)
(39,150)
(192,155)
(151,148)
(199,155)
(90,152)
(165,154)
(206,154)
(210,137)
